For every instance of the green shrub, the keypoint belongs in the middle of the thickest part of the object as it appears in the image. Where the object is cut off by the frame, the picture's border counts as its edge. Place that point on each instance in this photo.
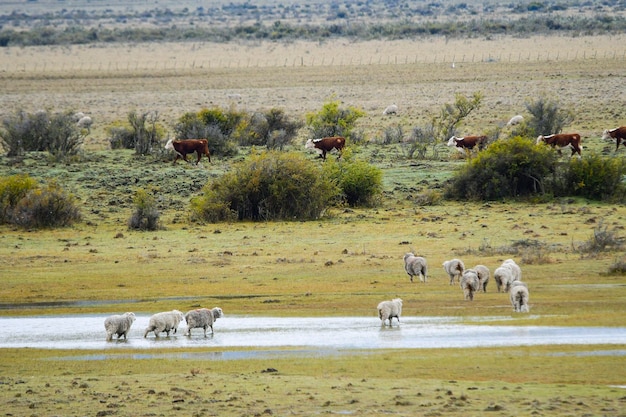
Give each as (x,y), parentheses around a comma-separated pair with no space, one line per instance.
(333,120)
(12,190)
(546,118)
(511,168)
(215,125)
(595,177)
(360,182)
(146,132)
(56,133)
(146,215)
(46,207)
(121,136)
(267,186)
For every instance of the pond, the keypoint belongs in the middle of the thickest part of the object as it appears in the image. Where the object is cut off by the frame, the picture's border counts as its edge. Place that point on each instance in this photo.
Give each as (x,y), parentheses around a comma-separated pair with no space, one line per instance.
(319,334)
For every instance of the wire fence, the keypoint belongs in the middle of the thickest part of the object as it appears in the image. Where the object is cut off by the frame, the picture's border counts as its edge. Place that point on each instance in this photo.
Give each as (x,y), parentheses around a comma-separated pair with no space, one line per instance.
(11,66)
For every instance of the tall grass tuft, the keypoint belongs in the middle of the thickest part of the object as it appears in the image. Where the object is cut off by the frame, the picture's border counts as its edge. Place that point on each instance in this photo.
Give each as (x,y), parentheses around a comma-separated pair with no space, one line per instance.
(146,215)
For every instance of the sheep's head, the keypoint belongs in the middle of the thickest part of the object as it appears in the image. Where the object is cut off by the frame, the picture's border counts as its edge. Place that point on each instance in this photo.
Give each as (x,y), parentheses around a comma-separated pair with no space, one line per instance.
(217,313)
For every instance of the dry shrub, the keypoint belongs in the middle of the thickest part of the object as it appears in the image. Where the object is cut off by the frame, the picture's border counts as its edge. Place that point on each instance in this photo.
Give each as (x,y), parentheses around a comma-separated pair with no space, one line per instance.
(46,208)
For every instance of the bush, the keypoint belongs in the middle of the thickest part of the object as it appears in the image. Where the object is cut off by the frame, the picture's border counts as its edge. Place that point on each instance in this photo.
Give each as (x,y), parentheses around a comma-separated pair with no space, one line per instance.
(595,177)
(360,182)
(146,215)
(333,120)
(215,125)
(267,186)
(121,136)
(512,168)
(46,208)
(41,131)
(145,138)
(546,118)
(273,129)
(12,190)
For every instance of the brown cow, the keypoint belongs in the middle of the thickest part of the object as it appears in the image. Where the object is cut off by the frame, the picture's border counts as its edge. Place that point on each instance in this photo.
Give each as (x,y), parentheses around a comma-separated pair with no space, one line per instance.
(619,134)
(562,140)
(467,143)
(187,146)
(324,145)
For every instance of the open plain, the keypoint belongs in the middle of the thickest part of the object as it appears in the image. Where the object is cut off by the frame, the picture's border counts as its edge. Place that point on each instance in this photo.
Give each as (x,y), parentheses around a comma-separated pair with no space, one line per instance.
(343,264)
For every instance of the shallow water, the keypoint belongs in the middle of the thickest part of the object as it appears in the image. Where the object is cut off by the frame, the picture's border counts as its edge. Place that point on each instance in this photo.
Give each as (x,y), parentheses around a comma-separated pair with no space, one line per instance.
(319,334)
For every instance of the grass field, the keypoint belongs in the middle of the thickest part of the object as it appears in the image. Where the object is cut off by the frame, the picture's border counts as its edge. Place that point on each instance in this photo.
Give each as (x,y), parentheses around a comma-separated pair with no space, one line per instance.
(343,264)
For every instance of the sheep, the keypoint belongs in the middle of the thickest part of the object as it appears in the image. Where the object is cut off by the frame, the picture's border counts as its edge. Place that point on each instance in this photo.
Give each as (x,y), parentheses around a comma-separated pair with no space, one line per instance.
(454,267)
(392,109)
(483,277)
(469,283)
(164,322)
(118,325)
(515,120)
(387,310)
(202,318)
(519,296)
(504,276)
(77,116)
(517,271)
(84,122)
(416,266)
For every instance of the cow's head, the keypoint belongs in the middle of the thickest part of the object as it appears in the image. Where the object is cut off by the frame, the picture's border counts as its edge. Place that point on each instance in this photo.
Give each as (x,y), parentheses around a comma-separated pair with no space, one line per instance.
(169,144)
(540,139)
(452,141)
(606,135)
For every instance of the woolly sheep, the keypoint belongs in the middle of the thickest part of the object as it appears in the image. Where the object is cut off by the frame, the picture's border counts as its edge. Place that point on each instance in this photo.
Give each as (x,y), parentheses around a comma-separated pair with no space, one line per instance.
(483,277)
(416,266)
(118,325)
(469,283)
(515,120)
(387,310)
(164,322)
(519,296)
(392,109)
(85,122)
(454,267)
(202,318)
(503,275)
(517,271)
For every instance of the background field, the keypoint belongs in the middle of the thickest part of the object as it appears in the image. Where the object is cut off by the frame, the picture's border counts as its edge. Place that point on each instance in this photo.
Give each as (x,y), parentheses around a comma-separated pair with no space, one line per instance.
(343,264)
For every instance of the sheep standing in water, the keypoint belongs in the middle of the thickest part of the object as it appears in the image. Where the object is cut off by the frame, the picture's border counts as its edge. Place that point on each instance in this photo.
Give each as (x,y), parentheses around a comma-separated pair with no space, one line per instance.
(164,322)
(118,325)
(415,266)
(454,268)
(519,296)
(202,318)
(469,283)
(483,277)
(387,310)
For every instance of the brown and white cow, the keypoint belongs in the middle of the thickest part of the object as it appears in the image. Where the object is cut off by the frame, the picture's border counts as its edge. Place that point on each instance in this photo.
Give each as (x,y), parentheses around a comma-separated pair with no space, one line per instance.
(618,134)
(467,143)
(187,146)
(562,141)
(325,145)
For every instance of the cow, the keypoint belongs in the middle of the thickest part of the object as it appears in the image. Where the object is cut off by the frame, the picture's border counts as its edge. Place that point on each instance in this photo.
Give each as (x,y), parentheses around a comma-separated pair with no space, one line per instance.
(467,143)
(324,145)
(561,141)
(619,134)
(187,146)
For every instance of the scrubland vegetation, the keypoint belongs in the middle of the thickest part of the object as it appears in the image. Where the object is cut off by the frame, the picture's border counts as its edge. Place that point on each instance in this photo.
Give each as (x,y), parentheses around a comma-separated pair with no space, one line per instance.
(100,220)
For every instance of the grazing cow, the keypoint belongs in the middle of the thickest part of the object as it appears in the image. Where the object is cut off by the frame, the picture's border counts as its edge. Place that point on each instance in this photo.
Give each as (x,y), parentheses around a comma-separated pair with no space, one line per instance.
(187,146)
(561,141)
(619,134)
(468,143)
(324,145)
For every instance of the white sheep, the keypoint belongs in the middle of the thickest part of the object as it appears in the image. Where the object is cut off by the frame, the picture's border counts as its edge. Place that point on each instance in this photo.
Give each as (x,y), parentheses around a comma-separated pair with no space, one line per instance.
(454,268)
(469,283)
(387,310)
(504,277)
(202,318)
(164,322)
(85,122)
(515,120)
(483,277)
(416,266)
(519,296)
(77,116)
(517,271)
(118,325)
(392,109)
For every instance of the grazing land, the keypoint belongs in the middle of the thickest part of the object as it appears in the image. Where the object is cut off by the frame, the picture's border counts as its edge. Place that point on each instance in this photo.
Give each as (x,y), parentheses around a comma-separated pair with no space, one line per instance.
(343,264)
